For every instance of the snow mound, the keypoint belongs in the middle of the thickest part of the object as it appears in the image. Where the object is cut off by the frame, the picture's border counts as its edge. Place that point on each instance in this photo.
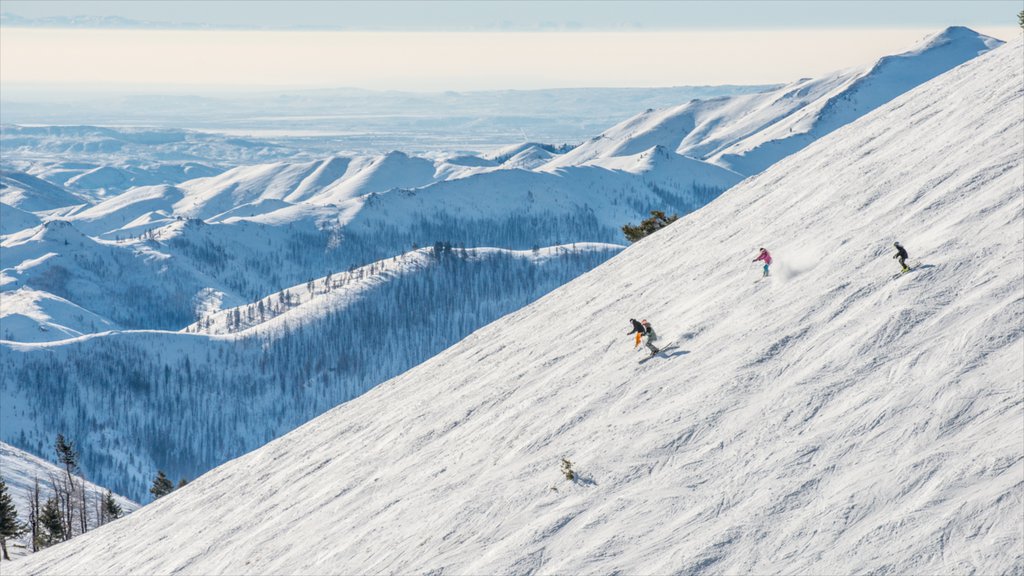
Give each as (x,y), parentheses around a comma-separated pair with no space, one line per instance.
(392,170)
(837,420)
(528,158)
(37,316)
(48,234)
(100,177)
(119,211)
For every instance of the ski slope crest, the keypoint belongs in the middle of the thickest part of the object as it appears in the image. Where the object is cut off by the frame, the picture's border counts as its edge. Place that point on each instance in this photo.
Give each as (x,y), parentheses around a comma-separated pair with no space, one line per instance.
(831,419)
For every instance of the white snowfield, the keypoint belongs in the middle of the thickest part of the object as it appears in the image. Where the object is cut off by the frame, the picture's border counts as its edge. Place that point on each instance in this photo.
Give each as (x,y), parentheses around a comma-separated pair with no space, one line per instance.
(830,420)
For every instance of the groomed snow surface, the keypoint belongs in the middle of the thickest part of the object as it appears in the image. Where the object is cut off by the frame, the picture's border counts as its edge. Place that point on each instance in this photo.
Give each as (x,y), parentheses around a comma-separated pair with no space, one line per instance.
(832,419)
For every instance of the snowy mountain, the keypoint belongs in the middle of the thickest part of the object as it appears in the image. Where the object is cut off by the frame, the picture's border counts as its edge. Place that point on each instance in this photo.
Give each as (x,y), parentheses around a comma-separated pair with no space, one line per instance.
(169,256)
(255,230)
(264,126)
(331,294)
(830,419)
(748,133)
(20,470)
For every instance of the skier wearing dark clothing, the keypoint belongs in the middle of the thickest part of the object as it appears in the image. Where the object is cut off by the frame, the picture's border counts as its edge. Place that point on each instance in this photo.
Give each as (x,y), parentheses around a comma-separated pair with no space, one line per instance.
(901,256)
(644,328)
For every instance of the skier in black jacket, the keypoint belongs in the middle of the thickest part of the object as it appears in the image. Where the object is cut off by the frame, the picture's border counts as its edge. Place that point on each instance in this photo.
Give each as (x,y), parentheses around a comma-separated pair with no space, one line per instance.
(901,256)
(643,328)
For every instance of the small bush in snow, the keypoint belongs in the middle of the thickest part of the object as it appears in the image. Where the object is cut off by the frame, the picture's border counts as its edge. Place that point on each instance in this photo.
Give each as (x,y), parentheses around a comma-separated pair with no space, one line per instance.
(567,470)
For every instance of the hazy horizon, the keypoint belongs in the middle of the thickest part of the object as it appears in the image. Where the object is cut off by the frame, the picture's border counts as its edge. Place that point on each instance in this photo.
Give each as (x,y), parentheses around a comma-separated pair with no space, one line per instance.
(191,61)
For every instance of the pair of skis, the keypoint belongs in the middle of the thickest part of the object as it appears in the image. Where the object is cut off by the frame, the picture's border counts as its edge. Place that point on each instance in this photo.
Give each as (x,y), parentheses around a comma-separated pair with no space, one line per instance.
(669,346)
(902,272)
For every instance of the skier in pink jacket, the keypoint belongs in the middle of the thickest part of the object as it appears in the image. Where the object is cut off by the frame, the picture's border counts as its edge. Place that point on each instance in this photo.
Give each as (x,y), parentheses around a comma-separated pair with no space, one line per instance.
(767,258)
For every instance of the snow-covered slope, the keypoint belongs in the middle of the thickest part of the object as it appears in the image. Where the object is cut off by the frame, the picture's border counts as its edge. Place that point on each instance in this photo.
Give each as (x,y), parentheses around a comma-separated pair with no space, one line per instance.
(14,219)
(323,297)
(37,316)
(832,419)
(748,133)
(20,470)
(31,194)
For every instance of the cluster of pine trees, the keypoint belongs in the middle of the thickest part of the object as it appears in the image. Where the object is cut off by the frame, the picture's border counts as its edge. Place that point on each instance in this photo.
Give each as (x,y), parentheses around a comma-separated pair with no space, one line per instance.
(59,506)
(250,260)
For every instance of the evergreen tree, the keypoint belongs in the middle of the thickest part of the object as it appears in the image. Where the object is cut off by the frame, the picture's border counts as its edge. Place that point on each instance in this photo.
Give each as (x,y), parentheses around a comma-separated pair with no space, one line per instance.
(656,222)
(9,525)
(1020,18)
(162,486)
(67,455)
(111,509)
(182,482)
(51,524)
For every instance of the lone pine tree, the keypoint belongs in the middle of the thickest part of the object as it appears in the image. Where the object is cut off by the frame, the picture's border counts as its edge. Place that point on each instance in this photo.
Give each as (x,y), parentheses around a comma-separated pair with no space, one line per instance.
(162,485)
(110,509)
(51,523)
(656,222)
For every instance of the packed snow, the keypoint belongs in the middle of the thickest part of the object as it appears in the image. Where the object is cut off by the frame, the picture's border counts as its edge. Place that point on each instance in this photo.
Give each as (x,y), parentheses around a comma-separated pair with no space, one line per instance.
(832,418)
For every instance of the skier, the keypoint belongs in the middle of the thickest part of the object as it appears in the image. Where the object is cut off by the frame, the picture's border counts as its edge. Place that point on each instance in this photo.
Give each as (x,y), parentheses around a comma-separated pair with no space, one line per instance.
(901,256)
(767,258)
(643,328)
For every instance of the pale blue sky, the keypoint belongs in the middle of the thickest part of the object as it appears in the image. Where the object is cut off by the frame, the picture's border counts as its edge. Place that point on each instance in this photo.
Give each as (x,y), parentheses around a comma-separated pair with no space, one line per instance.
(531,15)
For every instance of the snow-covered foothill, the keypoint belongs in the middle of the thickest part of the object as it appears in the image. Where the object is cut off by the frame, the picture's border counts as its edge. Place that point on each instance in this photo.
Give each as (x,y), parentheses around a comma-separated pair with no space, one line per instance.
(37,316)
(15,220)
(32,194)
(322,297)
(829,419)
